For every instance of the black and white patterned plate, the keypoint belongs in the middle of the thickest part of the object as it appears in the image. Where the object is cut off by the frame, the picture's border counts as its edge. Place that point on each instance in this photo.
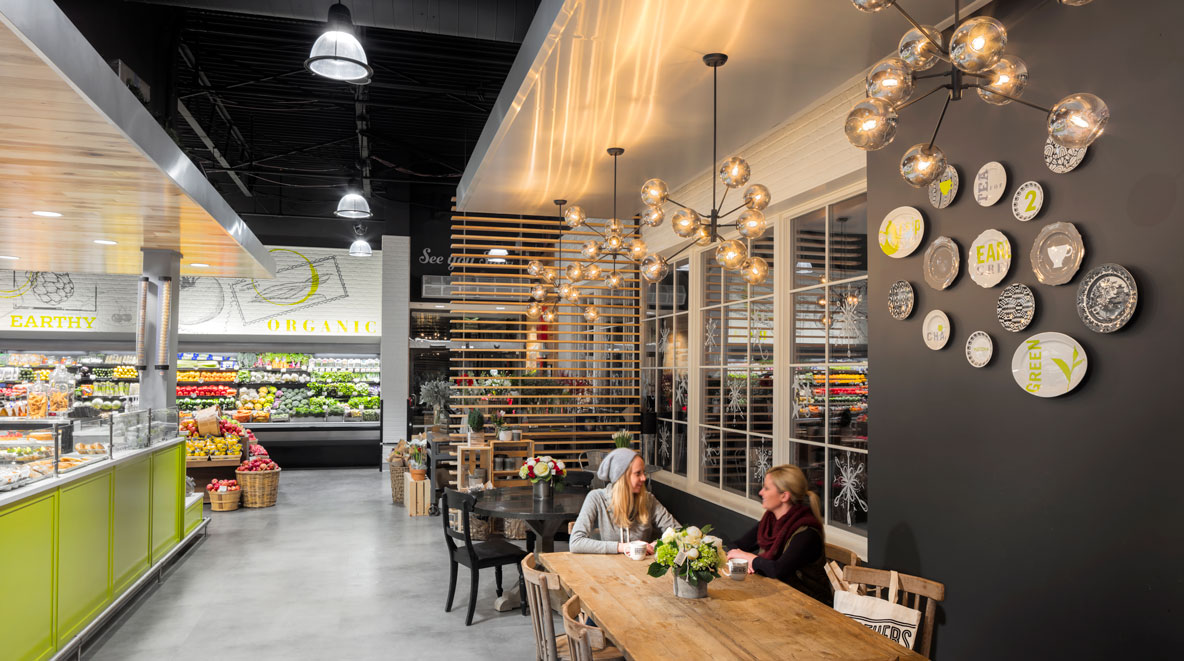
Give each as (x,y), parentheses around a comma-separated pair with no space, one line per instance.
(1062,159)
(900,299)
(943,191)
(1107,298)
(1016,307)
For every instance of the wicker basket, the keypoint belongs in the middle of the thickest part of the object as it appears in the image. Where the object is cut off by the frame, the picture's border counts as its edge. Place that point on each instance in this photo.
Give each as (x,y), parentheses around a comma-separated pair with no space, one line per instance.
(514,528)
(396,471)
(259,487)
(479,527)
(224,501)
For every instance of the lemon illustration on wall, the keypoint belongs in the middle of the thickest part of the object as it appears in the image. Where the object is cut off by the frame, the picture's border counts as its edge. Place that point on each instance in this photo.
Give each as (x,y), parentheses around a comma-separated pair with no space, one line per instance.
(943,191)
(289,291)
(901,232)
(1049,364)
(21,289)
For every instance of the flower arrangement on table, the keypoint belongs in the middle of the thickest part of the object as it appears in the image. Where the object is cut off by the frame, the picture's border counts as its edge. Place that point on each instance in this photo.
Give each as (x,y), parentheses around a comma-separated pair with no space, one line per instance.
(498,420)
(417,455)
(693,554)
(544,469)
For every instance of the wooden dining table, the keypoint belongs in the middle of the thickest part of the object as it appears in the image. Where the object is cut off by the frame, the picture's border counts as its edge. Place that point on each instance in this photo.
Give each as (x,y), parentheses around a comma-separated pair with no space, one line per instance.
(757,618)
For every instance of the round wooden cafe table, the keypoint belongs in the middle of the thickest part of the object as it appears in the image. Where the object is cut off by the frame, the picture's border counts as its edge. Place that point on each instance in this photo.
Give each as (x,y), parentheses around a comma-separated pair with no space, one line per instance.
(544,518)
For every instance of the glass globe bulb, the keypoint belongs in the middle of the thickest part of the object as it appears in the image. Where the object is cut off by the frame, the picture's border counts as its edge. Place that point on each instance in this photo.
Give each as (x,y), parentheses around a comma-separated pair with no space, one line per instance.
(592,272)
(684,223)
(922,165)
(871,124)
(978,44)
(703,236)
(654,192)
(591,314)
(638,249)
(870,6)
(654,268)
(614,226)
(564,290)
(549,275)
(538,292)
(534,311)
(1009,76)
(549,315)
(591,250)
(919,53)
(890,80)
(534,268)
(613,242)
(613,280)
(754,270)
(653,216)
(574,272)
(573,294)
(734,172)
(751,224)
(822,301)
(574,217)
(731,254)
(1077,120)
(757,197)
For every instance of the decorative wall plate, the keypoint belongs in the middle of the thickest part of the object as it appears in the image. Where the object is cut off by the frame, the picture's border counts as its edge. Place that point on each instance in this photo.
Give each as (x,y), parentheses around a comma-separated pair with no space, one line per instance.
(979,349)
(901,231)
(989,258)
(1056,253)
(1026,203)
(936,329)
(941,263)
(1062,159)
(990,183)
(1049,364)
(900,299)
(1016,307)
(943,191)
(1107,298)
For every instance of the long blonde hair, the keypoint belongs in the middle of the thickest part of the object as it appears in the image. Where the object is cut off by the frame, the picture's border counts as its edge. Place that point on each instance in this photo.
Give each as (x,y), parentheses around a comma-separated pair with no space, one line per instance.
(788,477)
(629,507)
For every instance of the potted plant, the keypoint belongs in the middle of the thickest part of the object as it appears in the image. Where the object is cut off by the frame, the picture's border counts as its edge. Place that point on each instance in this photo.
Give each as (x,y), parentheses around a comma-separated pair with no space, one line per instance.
(476,427)
(623,439)
(693,554)
(417,459)
(545,474)
(436,394)
(501,431)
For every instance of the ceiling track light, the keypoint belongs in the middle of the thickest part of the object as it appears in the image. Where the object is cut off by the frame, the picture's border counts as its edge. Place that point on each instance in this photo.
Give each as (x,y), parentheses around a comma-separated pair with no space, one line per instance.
(977,61)
(337,54)
(360,247)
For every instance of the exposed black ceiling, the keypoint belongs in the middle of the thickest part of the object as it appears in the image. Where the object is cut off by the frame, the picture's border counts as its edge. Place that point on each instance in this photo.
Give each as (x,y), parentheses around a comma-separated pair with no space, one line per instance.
(280,143)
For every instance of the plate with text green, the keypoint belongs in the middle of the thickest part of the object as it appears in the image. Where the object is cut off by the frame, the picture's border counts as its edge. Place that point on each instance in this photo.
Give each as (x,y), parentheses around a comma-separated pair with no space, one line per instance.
(1049,364)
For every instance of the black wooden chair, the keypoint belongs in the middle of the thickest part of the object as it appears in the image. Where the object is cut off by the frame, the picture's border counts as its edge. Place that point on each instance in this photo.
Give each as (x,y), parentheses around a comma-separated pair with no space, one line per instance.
(495,552)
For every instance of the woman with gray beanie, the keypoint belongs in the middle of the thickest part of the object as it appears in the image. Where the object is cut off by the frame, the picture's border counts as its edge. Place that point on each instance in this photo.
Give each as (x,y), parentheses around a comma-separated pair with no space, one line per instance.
(621,512)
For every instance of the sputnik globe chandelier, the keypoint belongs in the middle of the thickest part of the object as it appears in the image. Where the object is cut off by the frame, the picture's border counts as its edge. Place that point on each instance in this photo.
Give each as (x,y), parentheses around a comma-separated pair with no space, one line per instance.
(613,244)
(977,61)
(704,229)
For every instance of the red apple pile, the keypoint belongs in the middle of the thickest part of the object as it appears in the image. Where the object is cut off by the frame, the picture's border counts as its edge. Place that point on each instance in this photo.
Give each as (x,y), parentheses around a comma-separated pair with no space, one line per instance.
(258,450)
(216,485)
(229,427)
(258,464)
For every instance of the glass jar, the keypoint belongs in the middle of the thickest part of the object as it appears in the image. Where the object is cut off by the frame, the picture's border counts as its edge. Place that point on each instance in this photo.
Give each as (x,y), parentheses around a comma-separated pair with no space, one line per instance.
(38,400)
(61,391)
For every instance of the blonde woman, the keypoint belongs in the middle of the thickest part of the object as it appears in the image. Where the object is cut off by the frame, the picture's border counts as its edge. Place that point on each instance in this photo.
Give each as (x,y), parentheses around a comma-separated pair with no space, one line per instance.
(788,542)
(621,512)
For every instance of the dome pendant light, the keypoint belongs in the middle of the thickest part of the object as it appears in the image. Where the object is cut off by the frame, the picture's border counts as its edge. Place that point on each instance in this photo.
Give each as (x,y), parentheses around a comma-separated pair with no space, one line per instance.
(353,205)
(337,53)
(360,246)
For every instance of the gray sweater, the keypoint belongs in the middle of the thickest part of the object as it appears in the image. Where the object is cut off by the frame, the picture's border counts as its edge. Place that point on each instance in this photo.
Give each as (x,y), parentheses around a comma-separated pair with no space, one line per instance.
(595,532)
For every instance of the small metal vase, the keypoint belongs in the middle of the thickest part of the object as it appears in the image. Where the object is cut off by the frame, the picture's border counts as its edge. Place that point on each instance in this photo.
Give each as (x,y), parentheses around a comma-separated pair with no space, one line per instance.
(687,590)
(544,491)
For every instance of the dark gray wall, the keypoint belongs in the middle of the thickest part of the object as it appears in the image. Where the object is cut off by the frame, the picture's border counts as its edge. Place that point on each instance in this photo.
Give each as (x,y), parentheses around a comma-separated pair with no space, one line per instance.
(1054,523)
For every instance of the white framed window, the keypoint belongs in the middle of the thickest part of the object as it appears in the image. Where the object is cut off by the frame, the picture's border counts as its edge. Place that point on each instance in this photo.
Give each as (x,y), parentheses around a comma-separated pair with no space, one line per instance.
(665,374)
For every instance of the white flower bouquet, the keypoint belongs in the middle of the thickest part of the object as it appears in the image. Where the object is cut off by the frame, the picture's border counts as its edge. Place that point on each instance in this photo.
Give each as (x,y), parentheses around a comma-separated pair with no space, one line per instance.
(545,469)
(693,554)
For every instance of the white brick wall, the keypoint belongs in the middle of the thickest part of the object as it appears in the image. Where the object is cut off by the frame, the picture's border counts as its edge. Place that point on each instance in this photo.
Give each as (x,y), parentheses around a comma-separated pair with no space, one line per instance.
(806,151)
(396,322)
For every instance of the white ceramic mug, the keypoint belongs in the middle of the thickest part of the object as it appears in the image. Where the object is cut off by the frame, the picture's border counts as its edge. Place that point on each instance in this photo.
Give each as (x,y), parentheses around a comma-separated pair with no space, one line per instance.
(636,550)
(738,569)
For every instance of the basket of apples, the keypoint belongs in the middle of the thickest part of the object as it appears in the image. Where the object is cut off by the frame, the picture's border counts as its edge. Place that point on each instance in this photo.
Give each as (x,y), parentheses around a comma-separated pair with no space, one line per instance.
(224,495)
(260,480)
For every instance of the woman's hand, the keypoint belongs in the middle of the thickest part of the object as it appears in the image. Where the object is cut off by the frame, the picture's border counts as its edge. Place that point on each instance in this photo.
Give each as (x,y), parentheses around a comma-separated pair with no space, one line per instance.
(649,548)
(737,554)
(622,547)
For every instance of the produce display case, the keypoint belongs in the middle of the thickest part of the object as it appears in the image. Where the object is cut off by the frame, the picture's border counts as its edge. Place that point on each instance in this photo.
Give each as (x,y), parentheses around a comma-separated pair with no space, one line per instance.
(74,384)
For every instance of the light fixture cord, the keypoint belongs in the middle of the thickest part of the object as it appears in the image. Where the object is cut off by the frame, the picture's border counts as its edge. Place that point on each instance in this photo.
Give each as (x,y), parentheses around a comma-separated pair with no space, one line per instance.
(714,148)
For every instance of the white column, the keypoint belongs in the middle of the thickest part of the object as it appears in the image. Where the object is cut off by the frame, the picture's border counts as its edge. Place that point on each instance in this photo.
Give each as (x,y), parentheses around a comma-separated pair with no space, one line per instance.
(396,329)
(158,388)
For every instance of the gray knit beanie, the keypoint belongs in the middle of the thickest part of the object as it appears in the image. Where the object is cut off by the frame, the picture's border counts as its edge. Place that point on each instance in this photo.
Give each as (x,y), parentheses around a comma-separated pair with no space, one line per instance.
(616,464)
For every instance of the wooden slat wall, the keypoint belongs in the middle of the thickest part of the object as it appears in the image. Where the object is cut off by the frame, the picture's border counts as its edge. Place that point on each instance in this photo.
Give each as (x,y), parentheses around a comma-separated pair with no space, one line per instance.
(572,384)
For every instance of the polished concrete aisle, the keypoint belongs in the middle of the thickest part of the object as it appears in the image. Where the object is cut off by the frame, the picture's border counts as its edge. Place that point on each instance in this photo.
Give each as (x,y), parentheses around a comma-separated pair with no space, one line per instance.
(334,571)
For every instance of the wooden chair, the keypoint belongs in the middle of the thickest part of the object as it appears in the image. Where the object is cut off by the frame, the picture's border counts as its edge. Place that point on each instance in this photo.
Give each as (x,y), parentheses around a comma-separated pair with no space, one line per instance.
(585,642)
(845,557)
(915,592)
(539,585)
(496,552)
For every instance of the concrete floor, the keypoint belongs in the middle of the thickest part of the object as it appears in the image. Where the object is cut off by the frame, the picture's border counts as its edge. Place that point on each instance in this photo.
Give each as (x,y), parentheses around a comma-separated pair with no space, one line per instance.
(334,571)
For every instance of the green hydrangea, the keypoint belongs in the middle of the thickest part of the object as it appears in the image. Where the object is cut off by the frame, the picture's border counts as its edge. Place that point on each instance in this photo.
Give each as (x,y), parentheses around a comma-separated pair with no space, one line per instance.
(708,557)
(665,554)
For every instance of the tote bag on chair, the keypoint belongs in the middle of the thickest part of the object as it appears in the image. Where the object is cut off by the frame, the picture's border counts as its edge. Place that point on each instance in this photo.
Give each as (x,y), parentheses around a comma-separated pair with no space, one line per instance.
(886,617)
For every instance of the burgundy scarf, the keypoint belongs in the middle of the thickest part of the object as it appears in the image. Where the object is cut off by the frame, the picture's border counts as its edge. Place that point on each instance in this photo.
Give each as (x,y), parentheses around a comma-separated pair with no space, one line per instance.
(772,533)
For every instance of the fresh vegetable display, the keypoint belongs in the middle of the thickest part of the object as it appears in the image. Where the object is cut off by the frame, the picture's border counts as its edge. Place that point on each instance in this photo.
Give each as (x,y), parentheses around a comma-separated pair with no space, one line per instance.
(260,399)
(206,391)
(189,404)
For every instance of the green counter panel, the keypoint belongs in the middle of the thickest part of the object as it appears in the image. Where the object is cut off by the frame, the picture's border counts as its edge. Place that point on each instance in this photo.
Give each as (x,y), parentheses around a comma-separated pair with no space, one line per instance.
(27,555)
(131,516)
(167,499)
(84,553)
(193,516)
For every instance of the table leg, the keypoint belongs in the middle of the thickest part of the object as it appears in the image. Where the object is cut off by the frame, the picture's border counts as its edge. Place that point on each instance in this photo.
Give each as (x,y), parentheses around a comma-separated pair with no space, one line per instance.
(544,533)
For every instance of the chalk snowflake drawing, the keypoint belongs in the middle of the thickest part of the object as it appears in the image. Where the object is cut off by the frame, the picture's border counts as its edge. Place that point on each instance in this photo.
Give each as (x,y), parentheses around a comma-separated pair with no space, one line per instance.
(711,335)
(762,461)
(736,396)
(848,315)
(664,442)
(850,486)
(709,452)
(802,392)
(760,333)
(680,388)
(647,383)
(663,339)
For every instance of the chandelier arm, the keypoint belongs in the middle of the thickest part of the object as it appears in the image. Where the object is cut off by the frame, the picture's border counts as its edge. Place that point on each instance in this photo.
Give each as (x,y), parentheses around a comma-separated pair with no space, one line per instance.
(940,74)
(680,251)
(910,102)
(725,215)
(680,204)
(1014,98)
(940,118)
(922,30)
